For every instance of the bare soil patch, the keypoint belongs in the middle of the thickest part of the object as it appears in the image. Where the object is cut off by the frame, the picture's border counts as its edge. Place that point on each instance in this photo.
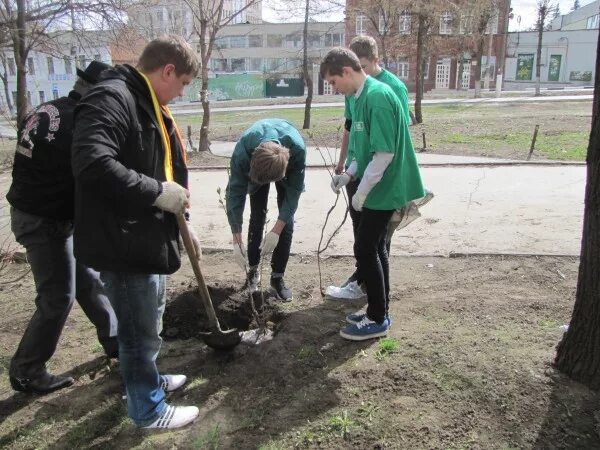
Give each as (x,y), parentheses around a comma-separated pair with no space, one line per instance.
(474,337)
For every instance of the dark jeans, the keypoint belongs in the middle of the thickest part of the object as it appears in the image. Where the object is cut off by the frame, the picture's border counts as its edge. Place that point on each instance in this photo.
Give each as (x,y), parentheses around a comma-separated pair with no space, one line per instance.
(355,216)
(372,257)
(58,281)
(258,214)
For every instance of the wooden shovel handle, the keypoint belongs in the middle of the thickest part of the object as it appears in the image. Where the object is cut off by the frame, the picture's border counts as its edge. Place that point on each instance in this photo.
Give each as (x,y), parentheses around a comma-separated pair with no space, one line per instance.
(202,289)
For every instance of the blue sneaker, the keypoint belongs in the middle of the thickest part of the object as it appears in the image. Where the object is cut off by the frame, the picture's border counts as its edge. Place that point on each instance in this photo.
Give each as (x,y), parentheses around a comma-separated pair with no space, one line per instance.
(360,315)
(365,329)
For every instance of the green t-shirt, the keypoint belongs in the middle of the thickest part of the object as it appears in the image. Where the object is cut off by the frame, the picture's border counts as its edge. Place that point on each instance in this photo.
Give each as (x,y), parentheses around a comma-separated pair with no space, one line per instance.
(399,88)
(378,125)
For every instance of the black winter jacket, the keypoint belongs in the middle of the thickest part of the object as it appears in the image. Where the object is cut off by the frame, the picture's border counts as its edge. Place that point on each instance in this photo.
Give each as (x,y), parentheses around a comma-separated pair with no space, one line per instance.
(42,180)
(118,162)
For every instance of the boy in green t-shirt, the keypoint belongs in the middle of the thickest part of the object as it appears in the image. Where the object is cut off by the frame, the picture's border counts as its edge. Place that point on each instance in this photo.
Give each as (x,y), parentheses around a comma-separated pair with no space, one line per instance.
(365,48)
(385,162)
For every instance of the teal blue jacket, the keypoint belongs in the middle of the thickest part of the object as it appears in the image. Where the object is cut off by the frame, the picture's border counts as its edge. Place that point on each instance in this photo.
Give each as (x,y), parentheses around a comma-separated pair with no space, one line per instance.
(274,130)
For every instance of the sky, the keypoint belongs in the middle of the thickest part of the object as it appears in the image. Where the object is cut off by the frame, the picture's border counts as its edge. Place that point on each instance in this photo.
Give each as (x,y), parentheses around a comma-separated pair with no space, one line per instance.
(526,9)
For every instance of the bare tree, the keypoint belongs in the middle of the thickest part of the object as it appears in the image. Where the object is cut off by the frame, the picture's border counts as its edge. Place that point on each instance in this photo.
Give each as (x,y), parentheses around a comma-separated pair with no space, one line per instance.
(578,353)
(209,18)
(544,13)
(33,24)
(306,69)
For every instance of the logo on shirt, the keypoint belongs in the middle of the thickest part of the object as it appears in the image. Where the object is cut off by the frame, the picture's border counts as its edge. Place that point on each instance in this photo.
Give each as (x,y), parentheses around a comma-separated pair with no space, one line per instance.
(359,126)
(33,121)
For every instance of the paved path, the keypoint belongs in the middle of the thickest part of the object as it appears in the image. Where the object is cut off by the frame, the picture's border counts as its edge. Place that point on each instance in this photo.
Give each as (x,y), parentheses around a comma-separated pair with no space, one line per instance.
(522,209)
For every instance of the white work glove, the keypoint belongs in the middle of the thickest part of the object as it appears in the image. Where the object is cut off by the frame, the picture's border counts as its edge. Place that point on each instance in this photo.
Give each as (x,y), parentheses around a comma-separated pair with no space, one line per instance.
(173,198)
(195,241)
(339,181)
(239,255)
(269,243)
(358,200)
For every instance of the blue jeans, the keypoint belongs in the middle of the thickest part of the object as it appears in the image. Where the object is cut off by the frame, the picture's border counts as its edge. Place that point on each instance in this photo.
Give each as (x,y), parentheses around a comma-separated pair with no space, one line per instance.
(139,303)
(59,279)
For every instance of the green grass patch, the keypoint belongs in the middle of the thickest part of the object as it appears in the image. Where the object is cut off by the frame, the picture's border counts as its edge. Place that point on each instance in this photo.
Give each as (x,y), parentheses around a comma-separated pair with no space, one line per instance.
(386,347)
(340,424)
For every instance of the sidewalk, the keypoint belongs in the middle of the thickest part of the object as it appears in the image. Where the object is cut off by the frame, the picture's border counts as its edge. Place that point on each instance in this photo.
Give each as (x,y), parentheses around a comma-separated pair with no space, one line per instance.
(506,210)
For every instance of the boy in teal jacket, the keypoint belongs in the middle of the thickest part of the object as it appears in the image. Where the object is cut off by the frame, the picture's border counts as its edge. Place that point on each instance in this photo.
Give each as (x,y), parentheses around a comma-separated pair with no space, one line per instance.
(271,150)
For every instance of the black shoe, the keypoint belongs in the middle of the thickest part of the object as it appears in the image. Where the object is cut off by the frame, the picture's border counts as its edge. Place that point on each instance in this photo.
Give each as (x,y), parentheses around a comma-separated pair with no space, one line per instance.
(43,384)
(282,292)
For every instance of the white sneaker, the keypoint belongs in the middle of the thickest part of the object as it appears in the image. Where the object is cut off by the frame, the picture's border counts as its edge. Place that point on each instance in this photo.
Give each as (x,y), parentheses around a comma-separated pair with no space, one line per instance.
(175,417)
(352,291)
(171,383)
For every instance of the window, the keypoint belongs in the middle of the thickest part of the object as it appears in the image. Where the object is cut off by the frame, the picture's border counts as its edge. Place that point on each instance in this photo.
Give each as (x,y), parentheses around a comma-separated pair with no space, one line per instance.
(219,65)
(403,68)
(256,64)
(14,96)
(30,67)
(222,42)
(592,22)
(361,24)
(426,69)
(42,96)
(334,39)
(384,26)
(97,58)
(238,65)
(524,66)
(274,40)
(294,63)
(55,94)
(81,62)
(50,61)
(446,23)
(314,40)
(275,64)
(238,42)
(255,40)
(68,67)
(492,25)
(405,19)
(327,89)
(159,15)
(466,24)
(293,41)
(12,69)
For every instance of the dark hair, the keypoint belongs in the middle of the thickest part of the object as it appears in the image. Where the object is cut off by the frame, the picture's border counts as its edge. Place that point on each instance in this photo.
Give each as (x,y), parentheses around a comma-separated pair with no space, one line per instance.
(364,47)
(268,162)
(169,49)
(336,59)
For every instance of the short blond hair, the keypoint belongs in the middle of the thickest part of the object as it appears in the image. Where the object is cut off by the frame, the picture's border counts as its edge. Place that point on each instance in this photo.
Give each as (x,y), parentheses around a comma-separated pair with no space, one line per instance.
(169,49)
(268,163)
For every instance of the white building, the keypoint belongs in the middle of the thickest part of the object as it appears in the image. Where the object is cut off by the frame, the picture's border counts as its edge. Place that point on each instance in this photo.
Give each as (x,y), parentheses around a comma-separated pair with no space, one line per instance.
(568,51)
(52,73)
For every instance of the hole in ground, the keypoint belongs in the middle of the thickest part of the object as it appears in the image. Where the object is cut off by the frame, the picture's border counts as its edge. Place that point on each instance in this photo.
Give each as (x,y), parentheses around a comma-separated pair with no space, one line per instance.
(185,316)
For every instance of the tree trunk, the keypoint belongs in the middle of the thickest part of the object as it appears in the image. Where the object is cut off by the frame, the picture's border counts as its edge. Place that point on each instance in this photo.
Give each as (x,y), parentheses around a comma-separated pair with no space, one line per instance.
(538,62)
(478,53)
(461,69)
(419,73)
(204,144)
(384,56)
(306,70)
(4,77)
(578,353)
(21,52)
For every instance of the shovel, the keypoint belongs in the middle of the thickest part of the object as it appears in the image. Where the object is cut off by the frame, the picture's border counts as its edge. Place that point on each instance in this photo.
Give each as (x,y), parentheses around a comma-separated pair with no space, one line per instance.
(215,338)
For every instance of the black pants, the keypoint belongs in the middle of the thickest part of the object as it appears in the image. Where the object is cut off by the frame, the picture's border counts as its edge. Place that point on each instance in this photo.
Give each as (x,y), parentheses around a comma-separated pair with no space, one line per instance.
(258,214)
(59,279)
(372,258)
(355,216)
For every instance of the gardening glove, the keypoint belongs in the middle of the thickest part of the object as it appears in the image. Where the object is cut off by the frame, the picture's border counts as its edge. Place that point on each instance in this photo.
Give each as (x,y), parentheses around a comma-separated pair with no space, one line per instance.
(239,255)
(339,181)
(173,198)
(195,241)
(358,200)
(269,243)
